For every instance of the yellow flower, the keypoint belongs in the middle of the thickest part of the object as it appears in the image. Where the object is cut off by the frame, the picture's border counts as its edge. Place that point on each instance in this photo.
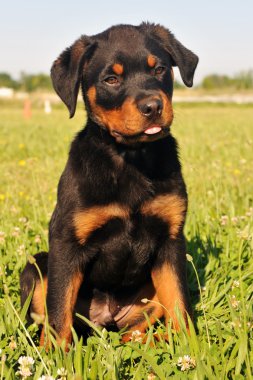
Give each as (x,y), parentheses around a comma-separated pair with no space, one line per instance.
(22,163)
(2,197)
(236,172)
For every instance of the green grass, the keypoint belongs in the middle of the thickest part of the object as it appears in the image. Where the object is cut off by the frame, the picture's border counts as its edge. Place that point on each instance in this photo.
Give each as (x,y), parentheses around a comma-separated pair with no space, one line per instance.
(216,144)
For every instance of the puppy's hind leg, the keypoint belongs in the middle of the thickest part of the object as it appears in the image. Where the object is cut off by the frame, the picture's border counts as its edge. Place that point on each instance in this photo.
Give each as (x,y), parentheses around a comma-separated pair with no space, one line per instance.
(30,280)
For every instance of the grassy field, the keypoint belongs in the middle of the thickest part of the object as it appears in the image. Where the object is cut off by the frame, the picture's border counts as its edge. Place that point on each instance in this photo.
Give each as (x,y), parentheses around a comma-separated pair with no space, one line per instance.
(216,145)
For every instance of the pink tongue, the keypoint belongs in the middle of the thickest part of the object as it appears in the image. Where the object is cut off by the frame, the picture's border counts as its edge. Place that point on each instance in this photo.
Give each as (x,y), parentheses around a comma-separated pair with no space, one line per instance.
(152,130)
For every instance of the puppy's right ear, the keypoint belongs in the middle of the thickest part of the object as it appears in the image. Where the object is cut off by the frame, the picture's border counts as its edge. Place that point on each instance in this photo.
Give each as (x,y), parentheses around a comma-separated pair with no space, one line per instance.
(67,71)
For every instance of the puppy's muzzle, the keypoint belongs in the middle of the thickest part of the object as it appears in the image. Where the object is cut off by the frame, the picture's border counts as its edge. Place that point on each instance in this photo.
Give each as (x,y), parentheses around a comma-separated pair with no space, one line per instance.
(150,107)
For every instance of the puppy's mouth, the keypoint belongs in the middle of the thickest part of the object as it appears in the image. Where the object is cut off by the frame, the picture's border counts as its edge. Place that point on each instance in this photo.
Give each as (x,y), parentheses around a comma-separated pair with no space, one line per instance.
(150,133)
(153,129)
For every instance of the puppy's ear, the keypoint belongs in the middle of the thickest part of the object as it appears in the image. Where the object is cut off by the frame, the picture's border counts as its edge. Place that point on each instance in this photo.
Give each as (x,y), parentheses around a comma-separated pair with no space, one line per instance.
(182,57)
(67,71)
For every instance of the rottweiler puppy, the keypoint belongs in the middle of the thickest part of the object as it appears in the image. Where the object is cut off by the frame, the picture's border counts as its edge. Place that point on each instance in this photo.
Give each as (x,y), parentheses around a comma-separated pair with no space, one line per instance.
(116,234)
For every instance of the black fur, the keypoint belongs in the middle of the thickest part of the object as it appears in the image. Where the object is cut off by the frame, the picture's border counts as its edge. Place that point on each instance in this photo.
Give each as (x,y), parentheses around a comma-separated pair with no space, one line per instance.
(107,167)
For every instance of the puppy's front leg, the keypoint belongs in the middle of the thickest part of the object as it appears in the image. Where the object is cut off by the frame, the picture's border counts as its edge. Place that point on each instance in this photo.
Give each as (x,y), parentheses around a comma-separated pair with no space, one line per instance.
(170,282)
(64,281)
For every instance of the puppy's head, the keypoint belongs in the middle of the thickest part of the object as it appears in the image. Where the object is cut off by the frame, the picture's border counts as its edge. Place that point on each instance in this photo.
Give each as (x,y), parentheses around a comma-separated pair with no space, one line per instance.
(126,76)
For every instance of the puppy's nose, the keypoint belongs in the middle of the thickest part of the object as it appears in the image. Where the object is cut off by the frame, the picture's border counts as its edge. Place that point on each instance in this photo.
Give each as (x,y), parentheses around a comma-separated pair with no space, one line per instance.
(150,107)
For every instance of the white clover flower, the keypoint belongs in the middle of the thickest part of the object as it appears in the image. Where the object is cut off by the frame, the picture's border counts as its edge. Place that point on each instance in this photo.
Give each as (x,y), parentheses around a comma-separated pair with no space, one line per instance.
(236,324)
(21,249)
(25,366)
(224,220)
(250,212)
(26,360)
(14,210)
(186,362)
(16,232)
(234,302)
(234,219)
(136,336)
(2,237)
(250,325)
(235,284)
(46,377)
(23,220)
(37,239)
(245,234)
(151,376)
(63,373)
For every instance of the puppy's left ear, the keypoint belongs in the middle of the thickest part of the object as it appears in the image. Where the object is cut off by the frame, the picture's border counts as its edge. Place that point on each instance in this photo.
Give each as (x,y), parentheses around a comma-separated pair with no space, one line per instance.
(67,71)
(182,57)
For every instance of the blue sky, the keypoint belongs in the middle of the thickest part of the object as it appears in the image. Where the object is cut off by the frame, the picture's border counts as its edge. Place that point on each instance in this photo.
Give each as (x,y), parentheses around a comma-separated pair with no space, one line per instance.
(34,32)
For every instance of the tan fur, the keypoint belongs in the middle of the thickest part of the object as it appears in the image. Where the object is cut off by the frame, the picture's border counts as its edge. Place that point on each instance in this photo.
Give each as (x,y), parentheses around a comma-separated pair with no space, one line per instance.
(151,61)
(127,119)
(170,208)
(135,318)
(118,68)
(88,220)
(69,304)
(71,298)
(39,297)
(168,292)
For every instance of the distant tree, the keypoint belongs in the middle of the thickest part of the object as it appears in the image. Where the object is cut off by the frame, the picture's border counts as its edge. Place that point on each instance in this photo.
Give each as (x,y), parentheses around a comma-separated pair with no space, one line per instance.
(216,81)
(7,81)
(241,81)
(35,82)
(244,80)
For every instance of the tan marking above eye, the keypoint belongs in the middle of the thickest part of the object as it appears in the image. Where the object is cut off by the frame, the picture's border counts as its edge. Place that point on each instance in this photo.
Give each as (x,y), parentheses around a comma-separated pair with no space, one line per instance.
(88,220)
(151,61)
(118,68)
(170,208)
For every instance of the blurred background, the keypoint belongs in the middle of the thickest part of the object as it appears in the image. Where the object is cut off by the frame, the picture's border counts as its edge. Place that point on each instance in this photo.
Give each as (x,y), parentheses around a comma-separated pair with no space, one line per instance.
(33,34)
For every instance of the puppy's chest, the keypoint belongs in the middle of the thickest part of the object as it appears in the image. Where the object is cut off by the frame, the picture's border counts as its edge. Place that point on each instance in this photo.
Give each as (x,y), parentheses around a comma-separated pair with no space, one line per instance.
(137,206)
(158,215)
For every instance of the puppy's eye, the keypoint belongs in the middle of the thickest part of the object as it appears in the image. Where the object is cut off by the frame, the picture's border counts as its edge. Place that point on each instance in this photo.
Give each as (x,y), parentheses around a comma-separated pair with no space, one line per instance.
(159,70)
(112,81)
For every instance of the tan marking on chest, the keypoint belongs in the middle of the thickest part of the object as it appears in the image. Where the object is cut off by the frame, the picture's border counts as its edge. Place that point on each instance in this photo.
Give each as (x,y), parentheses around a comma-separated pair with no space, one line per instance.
(90,219)
(170,208)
